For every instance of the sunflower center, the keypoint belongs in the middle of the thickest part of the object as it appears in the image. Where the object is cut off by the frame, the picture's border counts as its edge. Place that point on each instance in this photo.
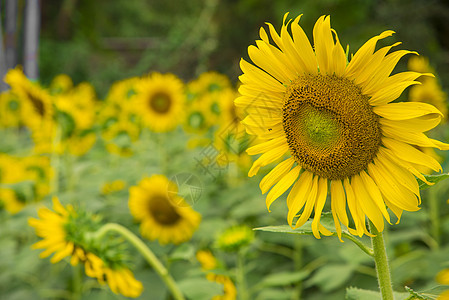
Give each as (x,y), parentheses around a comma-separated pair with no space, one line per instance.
(37,104)
(163,211)
(331,129)
(160,102)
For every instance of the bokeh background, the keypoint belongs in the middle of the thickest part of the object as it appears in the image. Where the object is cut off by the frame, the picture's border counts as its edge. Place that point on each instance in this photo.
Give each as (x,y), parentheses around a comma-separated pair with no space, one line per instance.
(101,44)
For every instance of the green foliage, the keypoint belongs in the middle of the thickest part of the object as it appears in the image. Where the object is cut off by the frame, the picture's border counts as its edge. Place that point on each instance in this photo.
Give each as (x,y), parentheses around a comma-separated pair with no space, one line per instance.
(432,179)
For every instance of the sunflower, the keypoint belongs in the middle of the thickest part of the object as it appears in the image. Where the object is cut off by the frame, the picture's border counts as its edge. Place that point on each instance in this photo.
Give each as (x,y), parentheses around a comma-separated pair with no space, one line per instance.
(334,122)
(235,238)
(430,90)
(119,137)
(160,101)
(443,278)
(10,110)
(63,235)
(37,102)
(11,201)
(163,214)
(61,84)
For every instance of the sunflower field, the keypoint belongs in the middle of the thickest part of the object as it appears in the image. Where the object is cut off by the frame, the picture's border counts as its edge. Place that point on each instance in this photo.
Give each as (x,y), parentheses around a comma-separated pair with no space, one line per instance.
(207,149)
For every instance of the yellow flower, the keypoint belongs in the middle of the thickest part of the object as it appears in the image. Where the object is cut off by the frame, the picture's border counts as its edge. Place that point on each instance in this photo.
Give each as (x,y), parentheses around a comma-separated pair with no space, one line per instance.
(51,227)
(160,101)
(11,200)
(120,280)
(113,186)
(60,230)
(335,123)
(80,143)
(119,137)
(207,260)
(234,238)
(10,109)
(198,118)
(163,214)
(209,82)
(37,102)
(443,278)
(430,92)
(229,290)
(60,84)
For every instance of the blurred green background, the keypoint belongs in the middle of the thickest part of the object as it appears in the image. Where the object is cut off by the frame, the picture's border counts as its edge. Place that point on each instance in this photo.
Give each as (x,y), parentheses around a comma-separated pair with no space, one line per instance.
(103,41)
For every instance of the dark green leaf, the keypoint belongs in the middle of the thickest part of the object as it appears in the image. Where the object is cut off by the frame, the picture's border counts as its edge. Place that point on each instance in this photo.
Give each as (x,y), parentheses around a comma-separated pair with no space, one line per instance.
(433,179)
(284,278)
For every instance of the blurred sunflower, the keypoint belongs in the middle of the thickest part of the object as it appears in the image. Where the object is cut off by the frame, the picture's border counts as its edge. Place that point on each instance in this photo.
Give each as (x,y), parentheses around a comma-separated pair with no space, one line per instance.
(11,200)
(162,213)
(160,101)
(209,262)
(10,110)
(119,137)
(61,84)
(443,278)
(234,238)
(430,90)
(63,231)
(112,187)
(337,123)
(37,102)
(229,289)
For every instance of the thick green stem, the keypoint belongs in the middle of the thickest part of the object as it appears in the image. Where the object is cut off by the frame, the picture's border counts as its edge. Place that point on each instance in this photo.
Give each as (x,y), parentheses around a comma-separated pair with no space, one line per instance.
(146,253)
(381,259)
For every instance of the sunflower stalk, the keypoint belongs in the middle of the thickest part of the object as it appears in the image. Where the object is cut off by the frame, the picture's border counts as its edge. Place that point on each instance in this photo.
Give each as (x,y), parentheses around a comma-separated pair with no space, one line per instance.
(381,260)
(243,290)
(149,256)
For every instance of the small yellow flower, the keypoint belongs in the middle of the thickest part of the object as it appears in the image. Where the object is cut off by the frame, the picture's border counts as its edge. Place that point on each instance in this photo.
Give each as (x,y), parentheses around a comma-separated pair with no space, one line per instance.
(229,290)
(234,238)
(163,214)
(112,187)
(207,260)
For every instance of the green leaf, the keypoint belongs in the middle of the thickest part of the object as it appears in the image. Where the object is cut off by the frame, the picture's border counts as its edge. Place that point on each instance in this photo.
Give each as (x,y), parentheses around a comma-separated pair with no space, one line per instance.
(200,288)
(432,179)
(327,221)
(420,296)
(331,277)
(284,278)
(353,293)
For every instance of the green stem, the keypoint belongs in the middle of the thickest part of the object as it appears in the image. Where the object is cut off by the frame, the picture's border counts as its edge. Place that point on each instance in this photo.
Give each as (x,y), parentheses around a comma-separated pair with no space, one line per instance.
(241,281)
(77,280)
(146,253)
(381,259)
(434,216)
(359,243)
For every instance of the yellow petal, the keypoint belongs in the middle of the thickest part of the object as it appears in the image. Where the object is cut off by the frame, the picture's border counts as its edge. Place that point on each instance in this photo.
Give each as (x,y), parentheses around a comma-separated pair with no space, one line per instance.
(319,205)
(267,158)
(375,194)
(405,110)
(390,93)
(363,55)
(266,146)
(310,203)
(298,195)
(324,42)
(282,185)
(276,174)
(411,154)
(303,47)
(366,203)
